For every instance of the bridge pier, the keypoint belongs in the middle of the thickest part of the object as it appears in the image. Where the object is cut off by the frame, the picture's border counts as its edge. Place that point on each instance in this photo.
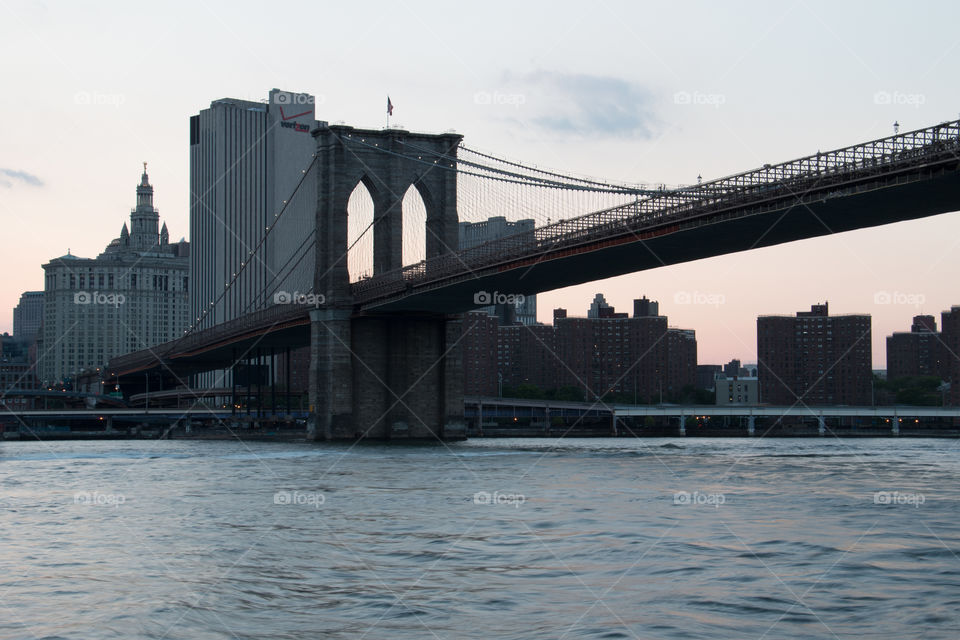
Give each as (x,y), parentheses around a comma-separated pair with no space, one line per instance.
(408,377)
(821,425)
(331,377)
(895,422)
(385,377)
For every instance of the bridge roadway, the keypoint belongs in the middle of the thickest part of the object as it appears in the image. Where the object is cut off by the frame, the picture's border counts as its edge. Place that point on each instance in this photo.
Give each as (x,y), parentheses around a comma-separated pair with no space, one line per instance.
(171,413)
(509,407)
(903,177)
(539,413)
(517,407)
(480,409)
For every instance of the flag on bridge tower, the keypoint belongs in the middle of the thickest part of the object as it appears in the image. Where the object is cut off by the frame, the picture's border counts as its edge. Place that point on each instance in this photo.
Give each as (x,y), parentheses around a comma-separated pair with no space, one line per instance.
(389,107)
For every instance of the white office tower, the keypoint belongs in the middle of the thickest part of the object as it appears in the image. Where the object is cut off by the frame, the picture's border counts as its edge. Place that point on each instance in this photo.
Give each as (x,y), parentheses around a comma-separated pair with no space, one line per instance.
(246,159)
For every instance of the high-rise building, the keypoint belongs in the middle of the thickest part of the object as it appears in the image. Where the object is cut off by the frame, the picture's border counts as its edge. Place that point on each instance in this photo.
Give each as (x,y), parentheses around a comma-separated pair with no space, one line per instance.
(950,334)
(681,359)
(918,352)
(815,358)
(495,228)
(614,355)
(130,297)
(28,316)
(640,358)
(479,348)
(526,355)
(246,160)
(644,307)
(600,308)
(611,353)
(17,372)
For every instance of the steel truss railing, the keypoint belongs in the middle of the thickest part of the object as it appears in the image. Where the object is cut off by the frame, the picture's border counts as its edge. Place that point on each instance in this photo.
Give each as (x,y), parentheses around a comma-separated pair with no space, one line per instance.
(838,169)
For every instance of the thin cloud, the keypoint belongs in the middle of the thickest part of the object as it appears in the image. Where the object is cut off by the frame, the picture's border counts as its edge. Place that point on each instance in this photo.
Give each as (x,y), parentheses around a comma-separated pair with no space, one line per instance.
(589,105)
(10,176)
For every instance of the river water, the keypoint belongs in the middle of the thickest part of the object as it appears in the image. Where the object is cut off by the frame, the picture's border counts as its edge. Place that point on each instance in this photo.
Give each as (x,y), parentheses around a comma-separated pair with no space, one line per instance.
(497,538)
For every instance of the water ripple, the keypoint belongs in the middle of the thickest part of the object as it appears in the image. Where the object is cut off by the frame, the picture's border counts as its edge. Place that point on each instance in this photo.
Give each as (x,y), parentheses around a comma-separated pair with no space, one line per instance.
(592,538)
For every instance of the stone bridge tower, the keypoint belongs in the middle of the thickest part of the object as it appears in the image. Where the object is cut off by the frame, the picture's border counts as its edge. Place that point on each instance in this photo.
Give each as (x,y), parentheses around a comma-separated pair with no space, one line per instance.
(382,375)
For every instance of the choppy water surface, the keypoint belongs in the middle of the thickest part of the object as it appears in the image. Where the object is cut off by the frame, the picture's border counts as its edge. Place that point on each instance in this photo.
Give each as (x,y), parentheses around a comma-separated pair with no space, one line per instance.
(685,538)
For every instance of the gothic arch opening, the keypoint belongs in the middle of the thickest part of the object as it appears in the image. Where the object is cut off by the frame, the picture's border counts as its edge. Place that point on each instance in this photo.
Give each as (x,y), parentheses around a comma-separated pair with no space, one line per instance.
(414,247)
(360,232)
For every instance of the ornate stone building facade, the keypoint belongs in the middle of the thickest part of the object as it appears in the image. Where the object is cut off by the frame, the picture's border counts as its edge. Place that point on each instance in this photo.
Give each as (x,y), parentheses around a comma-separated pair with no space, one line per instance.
(132,296)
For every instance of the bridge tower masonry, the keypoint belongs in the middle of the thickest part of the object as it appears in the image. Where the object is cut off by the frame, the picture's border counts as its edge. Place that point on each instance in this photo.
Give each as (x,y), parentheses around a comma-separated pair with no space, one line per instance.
(378,375)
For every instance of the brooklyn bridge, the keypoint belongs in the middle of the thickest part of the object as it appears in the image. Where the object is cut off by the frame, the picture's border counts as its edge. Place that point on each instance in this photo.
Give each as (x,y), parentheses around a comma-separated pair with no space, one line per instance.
(383,344)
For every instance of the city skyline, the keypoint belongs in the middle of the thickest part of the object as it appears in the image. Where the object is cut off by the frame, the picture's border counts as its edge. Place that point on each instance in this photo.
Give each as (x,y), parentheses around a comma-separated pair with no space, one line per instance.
(703,113)
(287,363)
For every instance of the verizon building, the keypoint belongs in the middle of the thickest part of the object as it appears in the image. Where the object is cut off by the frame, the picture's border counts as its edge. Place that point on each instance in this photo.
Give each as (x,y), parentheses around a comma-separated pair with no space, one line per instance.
(246,159)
